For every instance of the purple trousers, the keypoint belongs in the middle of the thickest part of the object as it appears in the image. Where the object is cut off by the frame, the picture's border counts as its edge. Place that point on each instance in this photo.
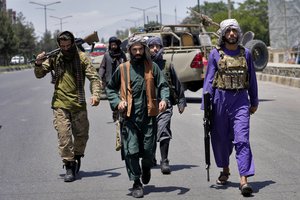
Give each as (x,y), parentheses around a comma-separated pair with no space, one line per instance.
(230,129)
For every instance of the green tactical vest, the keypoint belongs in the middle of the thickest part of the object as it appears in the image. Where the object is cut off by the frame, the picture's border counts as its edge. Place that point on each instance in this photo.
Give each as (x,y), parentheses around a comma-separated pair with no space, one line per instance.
(232,73)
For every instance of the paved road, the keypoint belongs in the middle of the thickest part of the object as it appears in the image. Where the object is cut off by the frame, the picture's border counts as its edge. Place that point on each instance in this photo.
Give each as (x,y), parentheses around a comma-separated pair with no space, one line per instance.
(30,168)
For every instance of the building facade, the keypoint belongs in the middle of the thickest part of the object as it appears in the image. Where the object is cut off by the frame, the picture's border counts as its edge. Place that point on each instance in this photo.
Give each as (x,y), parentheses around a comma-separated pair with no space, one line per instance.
(284,29)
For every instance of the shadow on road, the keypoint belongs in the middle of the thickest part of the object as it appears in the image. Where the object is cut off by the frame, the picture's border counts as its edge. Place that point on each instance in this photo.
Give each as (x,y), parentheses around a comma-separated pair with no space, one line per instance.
(178,167)
(257,185)
(107,172)
(151,189)
(262,100)
(193,99)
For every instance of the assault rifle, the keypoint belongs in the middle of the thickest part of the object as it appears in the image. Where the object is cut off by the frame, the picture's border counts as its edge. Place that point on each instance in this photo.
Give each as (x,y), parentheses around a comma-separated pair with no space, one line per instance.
(207,129)
(204,19)
(90,40)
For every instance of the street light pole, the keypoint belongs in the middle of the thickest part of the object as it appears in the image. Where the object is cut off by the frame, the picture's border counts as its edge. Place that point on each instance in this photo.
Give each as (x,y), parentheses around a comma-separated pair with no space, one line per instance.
(229,9)
(160,16)
(144,10)
(61,18)
(45,10)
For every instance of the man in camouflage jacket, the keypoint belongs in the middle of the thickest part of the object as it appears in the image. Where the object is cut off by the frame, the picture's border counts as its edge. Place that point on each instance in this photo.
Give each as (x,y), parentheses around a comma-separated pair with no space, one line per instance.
(69,68)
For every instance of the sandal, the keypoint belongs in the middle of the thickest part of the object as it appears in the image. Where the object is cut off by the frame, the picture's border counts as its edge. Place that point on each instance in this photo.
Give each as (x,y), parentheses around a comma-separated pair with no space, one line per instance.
(223,178)
(246,190)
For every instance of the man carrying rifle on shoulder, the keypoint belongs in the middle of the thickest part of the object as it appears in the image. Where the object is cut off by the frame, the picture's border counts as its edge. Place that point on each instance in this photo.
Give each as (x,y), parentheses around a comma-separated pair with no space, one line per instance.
(232,84)
(69,68)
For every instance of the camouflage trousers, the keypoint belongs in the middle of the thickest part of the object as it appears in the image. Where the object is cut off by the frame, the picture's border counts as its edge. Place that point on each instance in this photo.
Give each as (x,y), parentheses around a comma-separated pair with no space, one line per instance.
(72,132)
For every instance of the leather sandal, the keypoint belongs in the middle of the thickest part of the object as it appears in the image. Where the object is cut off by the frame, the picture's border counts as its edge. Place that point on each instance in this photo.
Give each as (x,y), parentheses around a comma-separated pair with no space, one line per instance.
(223,178)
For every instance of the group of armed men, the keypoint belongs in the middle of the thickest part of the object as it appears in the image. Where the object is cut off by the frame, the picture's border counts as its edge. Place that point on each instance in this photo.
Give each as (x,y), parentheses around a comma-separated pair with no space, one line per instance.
(142,91)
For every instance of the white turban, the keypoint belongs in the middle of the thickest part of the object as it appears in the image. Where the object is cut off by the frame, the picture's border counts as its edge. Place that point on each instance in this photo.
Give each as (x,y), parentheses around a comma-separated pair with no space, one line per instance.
(226,24)
(136,39)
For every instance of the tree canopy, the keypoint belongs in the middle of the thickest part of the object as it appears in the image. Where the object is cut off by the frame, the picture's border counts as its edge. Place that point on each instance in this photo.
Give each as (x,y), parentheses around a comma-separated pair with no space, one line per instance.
(251,16)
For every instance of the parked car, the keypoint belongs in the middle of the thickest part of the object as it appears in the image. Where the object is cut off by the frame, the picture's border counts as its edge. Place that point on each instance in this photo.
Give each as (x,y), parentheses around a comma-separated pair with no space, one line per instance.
(97,53)
(17,60)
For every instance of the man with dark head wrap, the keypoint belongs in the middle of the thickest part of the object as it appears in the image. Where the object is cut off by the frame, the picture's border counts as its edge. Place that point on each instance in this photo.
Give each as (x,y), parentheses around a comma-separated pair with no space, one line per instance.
(111,60)
(164,133)
(69,68)
(132,91)
(231,81)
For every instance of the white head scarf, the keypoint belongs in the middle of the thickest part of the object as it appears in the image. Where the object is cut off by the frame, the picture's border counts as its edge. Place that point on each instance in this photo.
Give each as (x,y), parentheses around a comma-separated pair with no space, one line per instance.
(226,24)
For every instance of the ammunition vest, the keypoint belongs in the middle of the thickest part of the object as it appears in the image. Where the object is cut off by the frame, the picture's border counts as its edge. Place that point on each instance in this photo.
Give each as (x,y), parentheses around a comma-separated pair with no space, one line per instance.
(126,90)
(232,73)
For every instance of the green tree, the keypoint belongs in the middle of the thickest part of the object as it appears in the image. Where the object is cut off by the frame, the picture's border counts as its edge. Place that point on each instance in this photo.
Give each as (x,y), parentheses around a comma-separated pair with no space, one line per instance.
(8,40)
(25,35)
(252,16)
(47,43)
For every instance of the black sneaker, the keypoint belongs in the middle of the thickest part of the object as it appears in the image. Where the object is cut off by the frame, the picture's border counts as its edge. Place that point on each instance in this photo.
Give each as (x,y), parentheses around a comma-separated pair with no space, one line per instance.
(164,166)
(137,190)
(146,175)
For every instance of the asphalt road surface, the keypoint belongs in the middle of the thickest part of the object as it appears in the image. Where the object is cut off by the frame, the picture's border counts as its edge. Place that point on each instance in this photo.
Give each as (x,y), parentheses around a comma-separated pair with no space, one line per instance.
(31,169)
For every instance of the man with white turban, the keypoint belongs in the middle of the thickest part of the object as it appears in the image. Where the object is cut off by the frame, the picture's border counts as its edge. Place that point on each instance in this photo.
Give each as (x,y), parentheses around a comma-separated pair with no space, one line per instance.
(232,84)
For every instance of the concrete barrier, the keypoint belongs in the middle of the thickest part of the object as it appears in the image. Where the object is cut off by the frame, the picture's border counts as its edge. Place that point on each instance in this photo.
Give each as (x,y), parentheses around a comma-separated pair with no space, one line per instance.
(281,73)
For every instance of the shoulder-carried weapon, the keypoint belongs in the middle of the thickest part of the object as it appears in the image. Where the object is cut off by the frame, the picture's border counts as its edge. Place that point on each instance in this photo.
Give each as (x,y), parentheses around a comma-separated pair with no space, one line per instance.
(207,129)
(90,40)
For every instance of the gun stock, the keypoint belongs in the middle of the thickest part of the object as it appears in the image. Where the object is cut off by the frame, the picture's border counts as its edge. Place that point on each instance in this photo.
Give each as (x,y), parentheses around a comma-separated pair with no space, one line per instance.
(92,38)
(207,129)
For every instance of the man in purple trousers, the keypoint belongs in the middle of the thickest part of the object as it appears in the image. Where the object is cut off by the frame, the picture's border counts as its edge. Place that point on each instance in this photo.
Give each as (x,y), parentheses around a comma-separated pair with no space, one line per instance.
(231,81)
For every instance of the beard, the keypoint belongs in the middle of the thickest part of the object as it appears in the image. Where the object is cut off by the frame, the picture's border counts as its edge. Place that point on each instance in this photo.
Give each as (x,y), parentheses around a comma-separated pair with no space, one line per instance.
(137,59)
(232,40)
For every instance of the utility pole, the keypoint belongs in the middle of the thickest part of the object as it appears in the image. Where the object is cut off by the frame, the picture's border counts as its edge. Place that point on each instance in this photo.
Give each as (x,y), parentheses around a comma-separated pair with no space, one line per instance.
(144,10)
(175,15)
(45,10)
(60,19)
(160,16)
(229,9)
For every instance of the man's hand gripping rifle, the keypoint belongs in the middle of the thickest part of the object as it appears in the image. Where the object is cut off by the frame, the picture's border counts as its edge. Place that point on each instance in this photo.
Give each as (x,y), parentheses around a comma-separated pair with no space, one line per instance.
(90,40)
(207,129)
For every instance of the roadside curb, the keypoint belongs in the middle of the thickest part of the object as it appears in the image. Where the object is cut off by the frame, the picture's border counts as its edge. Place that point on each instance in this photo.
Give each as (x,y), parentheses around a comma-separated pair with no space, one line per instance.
(14,68)
(281,73)
(283,80)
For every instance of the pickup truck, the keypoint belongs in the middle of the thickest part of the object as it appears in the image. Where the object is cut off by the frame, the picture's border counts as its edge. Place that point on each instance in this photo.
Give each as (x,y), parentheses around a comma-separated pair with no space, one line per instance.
(187,46)
(183,48)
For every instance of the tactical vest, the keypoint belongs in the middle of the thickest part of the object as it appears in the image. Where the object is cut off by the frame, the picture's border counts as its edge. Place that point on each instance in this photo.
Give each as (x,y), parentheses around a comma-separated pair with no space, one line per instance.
(126,90)
(232,73)
(168,76)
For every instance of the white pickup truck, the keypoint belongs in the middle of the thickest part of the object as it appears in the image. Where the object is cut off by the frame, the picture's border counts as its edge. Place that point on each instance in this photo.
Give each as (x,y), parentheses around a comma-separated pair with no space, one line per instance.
(187,46)
(183,48)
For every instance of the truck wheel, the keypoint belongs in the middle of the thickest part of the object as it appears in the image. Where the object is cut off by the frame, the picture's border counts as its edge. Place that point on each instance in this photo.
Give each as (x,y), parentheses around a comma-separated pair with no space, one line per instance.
(259,53)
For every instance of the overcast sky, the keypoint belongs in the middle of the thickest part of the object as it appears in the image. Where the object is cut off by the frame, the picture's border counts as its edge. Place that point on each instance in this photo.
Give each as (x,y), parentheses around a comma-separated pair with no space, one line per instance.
(103,16)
